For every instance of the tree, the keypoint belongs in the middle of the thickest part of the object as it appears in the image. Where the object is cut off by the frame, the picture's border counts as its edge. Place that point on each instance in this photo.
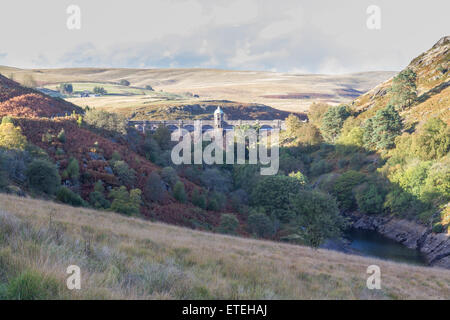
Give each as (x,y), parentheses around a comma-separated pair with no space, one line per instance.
(124,82)
(316,112)
(125,202)
(97,198)
(381,130)
(272,193)
(293,123)
(66,88)
(317,217)
(154,190)
(61,136)
(369,199)
(216,180)
(73,169)
(300,177)
(433,140)
(162,136)
(169,175)
(404,91)
(333,121)
(228,224)
(344,186)
(124,173)
(11,137)
(198,199)
(179,193)
(106,121)
(43,176)
(100,90)
(65,195)
(260,224)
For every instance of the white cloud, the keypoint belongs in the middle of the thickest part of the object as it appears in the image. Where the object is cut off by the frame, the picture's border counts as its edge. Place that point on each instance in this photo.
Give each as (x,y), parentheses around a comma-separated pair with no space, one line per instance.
(306,36)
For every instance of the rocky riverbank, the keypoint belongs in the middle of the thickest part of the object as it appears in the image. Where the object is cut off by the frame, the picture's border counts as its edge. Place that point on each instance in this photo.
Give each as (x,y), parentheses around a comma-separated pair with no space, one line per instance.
(435,246)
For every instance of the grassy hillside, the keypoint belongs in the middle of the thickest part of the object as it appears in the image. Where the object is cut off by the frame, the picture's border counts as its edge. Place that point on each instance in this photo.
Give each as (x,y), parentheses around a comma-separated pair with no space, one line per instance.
(125,258)
(433,81)
(288,92)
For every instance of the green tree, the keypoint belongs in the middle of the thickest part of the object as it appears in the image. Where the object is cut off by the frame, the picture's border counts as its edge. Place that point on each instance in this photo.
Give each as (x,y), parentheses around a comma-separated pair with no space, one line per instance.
(66,88)
(169,175)
(43,176)
(162,137)
(125,202)
(433,140)
(198,199)
(404,91)
(154,190)
(333,121)
(62,136)
(369,199)
(381,130)
(228,224)
(100,91)
(124,173)
(272,193)
(179,193)
(260,224)
(73,170)
(344,186)
(65,195)
(97,198)
(317,217)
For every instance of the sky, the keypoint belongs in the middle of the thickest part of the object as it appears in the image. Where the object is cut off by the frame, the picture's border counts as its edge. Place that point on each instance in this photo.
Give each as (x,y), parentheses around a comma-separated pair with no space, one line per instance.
(297,36)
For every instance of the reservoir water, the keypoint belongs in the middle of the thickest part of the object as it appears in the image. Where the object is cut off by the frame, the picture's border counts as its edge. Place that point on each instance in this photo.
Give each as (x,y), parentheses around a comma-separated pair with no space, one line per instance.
(370,243)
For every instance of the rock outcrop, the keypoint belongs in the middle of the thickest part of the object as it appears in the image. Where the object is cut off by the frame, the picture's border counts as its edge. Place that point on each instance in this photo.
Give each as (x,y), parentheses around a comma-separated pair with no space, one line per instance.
(435,246)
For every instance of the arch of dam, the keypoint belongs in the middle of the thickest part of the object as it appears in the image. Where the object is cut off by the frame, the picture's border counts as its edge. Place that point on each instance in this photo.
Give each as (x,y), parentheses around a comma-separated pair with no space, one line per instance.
(172,125)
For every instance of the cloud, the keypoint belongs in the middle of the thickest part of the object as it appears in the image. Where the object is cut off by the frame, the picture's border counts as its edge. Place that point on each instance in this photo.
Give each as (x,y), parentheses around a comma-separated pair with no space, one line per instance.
(287,36)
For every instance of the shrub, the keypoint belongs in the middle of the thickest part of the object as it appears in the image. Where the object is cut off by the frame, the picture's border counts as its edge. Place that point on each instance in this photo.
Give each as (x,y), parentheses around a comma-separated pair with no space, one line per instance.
(105,121)
(272,193)
(333,121)
(65,195)
(124,173)
(124,202)
(228,224)
(62,136)
(317,217)
(179,192)
(100,90)
(66,88)
(316,112)
(344,186)
(30,285)
(154,190)
(43,176)
(320,167)
(403,89)
(11,137)
(169,175)
(381,130)
(260,224)
(369,199)
(198,199)
(124,82)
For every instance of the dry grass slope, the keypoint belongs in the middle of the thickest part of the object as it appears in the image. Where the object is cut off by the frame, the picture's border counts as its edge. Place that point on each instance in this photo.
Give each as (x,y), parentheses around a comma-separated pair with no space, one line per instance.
(128,258)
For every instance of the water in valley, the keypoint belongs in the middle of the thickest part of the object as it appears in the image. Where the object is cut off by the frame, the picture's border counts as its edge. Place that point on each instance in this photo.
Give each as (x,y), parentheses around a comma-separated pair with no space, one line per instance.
(371,243)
